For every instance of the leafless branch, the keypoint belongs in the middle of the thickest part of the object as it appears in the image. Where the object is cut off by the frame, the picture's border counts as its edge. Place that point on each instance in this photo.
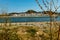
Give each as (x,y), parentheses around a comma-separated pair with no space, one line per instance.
(39,5)
(44,4)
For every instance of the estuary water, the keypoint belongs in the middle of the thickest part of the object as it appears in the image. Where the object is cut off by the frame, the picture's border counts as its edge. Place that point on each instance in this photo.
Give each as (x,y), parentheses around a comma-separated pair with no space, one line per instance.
(27,19)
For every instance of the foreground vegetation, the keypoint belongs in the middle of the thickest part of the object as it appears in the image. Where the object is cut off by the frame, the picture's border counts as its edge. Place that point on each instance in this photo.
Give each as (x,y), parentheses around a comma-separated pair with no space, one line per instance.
(28,33)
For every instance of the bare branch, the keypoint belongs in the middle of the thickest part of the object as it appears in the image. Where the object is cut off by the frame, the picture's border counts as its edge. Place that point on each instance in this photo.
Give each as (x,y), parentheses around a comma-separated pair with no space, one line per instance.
(50,5)
(45,4)
(39,4)
(54,4)
(57,8)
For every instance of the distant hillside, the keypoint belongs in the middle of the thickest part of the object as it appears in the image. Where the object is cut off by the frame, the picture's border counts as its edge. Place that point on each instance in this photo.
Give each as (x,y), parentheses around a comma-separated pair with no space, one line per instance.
(31,11)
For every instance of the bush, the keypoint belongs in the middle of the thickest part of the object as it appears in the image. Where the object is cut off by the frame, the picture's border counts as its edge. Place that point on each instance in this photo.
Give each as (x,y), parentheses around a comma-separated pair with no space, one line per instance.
(8,34)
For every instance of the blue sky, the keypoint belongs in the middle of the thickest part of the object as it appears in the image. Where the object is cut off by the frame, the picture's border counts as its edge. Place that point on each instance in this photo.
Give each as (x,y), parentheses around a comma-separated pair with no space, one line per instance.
(19,5)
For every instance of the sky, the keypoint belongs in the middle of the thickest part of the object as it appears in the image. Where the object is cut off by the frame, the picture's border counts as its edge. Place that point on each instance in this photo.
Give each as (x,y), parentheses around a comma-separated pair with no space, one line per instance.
(19,5)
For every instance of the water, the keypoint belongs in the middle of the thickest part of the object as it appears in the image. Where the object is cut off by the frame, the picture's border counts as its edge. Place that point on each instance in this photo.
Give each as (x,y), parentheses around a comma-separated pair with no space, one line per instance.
(27,19)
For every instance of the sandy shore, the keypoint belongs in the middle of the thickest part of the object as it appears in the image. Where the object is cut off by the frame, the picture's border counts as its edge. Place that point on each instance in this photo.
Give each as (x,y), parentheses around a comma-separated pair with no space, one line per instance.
(30,24)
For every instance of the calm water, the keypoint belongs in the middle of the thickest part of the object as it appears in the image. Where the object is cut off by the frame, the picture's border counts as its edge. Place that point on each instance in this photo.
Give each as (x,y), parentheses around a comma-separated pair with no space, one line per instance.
(27,19)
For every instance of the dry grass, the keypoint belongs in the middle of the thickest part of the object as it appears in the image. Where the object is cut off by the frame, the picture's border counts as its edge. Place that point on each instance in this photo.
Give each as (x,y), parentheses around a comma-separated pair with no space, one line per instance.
(39,33)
